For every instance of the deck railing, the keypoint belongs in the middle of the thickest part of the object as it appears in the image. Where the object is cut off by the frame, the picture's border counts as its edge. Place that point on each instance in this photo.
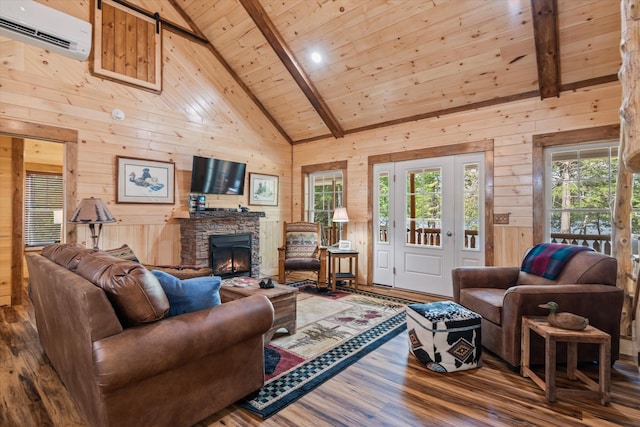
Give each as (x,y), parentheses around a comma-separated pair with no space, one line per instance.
(598,242)
(431,237)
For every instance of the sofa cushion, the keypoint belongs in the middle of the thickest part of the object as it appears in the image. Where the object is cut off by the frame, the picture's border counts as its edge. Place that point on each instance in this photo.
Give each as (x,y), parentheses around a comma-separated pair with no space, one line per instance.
(50,251)
(487,302)
(182,271)
(302,264)
(123,252)
(585,267)
(135,293)
(189,295)
(67,255)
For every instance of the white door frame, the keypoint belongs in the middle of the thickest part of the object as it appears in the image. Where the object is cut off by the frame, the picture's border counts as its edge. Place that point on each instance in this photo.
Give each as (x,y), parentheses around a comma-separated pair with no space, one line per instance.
(418,267)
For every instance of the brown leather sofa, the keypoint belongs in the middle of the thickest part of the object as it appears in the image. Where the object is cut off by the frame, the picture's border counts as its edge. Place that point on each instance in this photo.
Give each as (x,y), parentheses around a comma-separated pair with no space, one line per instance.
(502,295)
(145,370)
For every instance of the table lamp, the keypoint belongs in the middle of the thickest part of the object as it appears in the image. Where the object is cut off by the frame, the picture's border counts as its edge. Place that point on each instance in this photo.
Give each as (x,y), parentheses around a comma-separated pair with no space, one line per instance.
(340,216)
(92,211)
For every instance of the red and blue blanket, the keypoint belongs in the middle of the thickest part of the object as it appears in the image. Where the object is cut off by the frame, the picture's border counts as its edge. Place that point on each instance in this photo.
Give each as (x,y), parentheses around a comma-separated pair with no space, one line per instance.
(548,259)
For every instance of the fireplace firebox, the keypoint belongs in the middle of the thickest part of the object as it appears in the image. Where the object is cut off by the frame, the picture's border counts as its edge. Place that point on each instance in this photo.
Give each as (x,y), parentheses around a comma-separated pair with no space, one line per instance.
(230,254)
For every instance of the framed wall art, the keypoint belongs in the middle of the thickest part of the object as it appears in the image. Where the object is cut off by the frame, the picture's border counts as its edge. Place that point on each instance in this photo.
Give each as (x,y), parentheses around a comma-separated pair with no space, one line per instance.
(344,245)
(145,181)
(263,189)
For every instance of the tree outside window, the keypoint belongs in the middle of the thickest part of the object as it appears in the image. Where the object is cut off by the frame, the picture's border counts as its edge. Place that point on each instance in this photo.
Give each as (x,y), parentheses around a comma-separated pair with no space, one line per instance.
(582,189)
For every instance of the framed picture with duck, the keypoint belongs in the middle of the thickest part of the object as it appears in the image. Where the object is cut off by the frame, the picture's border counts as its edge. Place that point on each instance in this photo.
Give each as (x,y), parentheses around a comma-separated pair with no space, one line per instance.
(144,181)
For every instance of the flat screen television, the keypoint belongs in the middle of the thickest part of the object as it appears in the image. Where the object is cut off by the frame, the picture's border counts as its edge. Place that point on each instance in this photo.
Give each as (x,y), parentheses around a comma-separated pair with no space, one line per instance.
(215,176)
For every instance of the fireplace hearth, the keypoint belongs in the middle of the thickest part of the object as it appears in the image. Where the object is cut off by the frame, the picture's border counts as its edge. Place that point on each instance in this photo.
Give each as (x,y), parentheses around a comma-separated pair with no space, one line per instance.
(230,254)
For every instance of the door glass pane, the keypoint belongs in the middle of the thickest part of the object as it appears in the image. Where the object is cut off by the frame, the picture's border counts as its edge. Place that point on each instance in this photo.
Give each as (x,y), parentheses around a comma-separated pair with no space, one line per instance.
(471,202)
(424,206)
(383,207)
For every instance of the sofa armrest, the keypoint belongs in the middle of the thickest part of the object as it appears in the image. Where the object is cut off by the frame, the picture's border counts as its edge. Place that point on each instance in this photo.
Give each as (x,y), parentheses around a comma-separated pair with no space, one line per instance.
(148,350)
(483,277)
(601,304)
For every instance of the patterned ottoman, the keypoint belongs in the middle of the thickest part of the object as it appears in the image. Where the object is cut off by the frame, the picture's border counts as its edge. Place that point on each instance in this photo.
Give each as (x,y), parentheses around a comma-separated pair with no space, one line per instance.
(444,336)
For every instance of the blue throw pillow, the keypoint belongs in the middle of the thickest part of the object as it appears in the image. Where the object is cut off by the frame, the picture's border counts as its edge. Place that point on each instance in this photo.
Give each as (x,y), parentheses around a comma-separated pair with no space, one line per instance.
(189,295)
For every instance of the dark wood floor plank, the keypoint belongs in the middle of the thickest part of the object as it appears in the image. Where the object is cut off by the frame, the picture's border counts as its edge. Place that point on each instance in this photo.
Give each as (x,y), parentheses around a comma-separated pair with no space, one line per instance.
(388,387)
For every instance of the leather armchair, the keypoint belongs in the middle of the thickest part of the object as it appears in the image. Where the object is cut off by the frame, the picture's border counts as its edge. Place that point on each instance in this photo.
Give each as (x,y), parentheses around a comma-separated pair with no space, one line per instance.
(302,250)
(502,295)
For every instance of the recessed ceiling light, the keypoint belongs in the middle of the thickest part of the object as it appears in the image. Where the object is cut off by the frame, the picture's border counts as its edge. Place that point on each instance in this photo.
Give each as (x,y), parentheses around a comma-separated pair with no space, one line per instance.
(316,57)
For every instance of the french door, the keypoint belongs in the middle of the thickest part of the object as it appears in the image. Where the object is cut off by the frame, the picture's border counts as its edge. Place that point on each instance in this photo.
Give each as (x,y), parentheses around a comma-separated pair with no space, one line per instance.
(428,219)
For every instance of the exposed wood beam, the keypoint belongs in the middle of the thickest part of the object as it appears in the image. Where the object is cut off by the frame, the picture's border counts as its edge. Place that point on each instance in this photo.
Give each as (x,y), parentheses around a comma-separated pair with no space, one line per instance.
(200,37)
(589,82)
(630,152)
(545,32)
(274,38)
(629,77)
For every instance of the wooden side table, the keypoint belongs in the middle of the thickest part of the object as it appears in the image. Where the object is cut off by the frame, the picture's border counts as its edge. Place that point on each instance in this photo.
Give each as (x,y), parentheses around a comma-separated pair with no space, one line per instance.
(335,255)
(552,335)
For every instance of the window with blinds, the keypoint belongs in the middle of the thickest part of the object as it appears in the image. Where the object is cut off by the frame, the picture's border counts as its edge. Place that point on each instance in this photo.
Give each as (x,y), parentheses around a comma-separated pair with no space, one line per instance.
(43,196)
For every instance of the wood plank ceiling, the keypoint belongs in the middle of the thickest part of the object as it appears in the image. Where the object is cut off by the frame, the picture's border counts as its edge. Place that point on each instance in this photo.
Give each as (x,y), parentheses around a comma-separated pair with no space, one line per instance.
(390,61)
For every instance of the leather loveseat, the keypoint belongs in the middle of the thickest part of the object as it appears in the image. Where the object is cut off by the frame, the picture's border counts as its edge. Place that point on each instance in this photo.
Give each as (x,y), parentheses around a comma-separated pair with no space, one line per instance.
(101,322)
(586,286)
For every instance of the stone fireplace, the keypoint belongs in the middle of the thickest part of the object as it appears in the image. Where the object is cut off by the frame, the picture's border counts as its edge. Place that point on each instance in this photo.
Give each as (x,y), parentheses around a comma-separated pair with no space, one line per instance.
(196,230)
(230,254)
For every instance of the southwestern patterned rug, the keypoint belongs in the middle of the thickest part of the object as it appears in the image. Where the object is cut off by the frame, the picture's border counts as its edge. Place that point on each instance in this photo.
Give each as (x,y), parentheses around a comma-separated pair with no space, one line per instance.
(334,330)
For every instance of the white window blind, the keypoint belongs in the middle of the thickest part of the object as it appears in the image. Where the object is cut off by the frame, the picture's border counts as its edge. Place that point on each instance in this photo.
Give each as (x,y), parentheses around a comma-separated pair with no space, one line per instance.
(43,195)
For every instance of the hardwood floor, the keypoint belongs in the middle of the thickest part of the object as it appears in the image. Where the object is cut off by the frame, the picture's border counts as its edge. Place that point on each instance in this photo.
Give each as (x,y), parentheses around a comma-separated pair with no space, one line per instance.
(386,388)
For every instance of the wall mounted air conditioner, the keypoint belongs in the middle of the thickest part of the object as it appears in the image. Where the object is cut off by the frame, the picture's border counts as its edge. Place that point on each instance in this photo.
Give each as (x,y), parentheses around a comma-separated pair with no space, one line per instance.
(45,27)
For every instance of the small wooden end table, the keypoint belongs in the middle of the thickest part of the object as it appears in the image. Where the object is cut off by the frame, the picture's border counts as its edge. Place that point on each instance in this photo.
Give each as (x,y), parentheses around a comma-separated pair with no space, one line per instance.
(552,335)
(283,298)
(335,274)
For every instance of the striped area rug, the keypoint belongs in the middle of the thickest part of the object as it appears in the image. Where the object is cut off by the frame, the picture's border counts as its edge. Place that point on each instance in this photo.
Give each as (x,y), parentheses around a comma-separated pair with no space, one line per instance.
(334,330)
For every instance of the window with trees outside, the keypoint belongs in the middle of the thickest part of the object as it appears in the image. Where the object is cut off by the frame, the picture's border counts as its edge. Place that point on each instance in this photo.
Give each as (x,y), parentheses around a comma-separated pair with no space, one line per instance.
(325,195)
(580,192)
(43,195)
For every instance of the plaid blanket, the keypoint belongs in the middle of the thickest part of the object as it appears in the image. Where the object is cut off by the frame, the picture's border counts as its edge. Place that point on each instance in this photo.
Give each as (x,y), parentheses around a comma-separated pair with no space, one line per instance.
(548,259)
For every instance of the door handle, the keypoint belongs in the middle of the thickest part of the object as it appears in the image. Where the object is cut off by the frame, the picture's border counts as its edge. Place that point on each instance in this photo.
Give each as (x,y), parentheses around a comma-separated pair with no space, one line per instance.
(449,234)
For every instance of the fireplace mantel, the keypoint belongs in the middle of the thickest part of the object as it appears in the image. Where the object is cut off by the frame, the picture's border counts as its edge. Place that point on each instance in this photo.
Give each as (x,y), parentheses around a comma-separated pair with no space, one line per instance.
(195,232)
(223,214)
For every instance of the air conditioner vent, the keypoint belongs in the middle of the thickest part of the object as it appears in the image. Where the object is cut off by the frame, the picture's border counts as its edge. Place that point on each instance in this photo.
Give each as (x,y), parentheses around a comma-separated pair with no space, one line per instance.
(39,25)
(30,32)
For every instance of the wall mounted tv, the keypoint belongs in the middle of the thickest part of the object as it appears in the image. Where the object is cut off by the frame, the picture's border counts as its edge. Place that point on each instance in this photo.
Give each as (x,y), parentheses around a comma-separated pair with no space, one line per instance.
(215,176)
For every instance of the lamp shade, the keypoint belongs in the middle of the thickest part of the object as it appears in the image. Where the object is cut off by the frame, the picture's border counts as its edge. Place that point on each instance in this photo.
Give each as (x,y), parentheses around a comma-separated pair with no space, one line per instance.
(340,215)
(92,211)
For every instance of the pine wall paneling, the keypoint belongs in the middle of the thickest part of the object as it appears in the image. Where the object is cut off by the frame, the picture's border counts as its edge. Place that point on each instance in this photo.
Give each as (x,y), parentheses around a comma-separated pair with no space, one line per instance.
(201,111)
(6,219)
(511,126)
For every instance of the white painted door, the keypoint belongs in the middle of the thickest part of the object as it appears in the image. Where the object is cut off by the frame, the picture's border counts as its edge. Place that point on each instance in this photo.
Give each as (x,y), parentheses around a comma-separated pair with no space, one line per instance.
(427,220)
(383,201)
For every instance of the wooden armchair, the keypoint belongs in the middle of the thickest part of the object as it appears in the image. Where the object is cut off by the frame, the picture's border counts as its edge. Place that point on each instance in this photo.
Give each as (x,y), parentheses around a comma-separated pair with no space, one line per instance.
(302,250)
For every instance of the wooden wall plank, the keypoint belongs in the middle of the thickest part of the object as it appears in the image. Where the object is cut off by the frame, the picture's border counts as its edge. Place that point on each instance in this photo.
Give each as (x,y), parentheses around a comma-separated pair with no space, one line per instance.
(6,219)
(511,126)
(228,125)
